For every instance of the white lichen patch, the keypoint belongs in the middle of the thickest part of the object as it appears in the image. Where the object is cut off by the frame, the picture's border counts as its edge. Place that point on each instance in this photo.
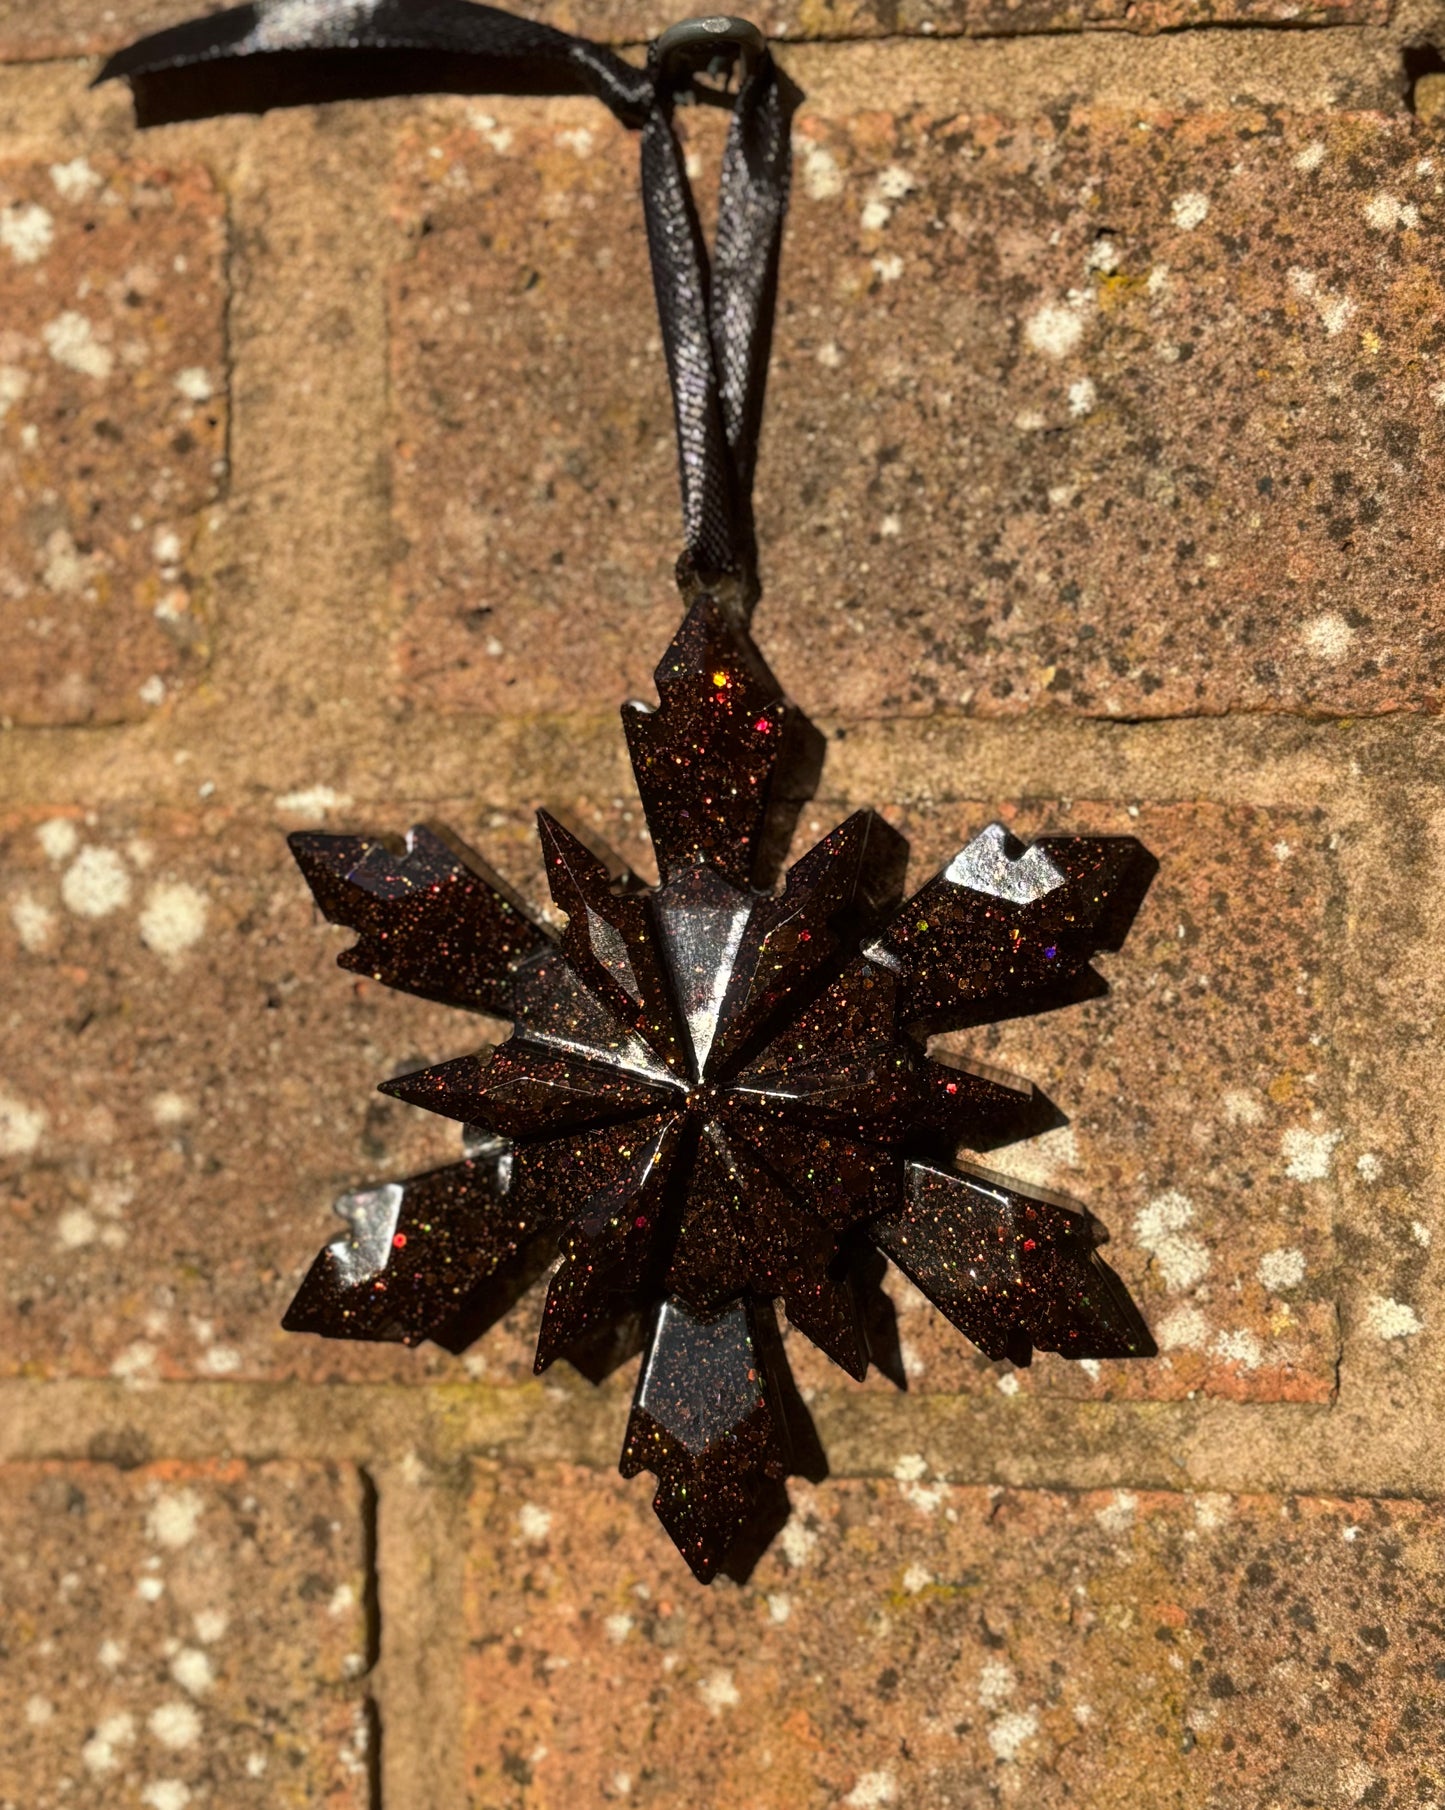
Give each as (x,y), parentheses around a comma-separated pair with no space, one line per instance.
(27,231)
(874,1791)
(211,1624)
(1083,398)
(1368,1167)
(1241,1348)
(1328,637)
(535,1523)
(173,920)
(192,1670)
(484,124)
(74,180)
(618,1627)
(194,383)
(1389,1319)
(21,1126)
(1211,1510)
(1182,1259)
(1117,1516)
(75,1229)
(909,1472)
(66,570)
(1335,311)
(1282,1269)
(34,923)
(1308,1154)
(70,340)
(1310,158)
(996,1683)
(917,1578)
(169,1109)
(822,178)
(1386,212)
(95,884)
(99,1754)
(1242,1109)
(1189,210)
(896,182)
(166,1794)
(780,1607)
(1056,329)
(312,802)
(58,838)
(719,1692)
(889,267)
(798,1541)
(1010,1732)
(174,1519)
(176,1725)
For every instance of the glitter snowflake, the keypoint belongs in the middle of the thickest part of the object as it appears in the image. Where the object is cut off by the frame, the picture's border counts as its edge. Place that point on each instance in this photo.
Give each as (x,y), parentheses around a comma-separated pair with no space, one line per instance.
(716,1097)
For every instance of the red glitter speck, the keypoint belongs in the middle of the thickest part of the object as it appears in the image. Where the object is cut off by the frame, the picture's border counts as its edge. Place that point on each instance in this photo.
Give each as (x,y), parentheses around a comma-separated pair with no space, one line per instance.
(952,1087)
(1029,1245)
(640,1221)
(399,1242)
(763,726)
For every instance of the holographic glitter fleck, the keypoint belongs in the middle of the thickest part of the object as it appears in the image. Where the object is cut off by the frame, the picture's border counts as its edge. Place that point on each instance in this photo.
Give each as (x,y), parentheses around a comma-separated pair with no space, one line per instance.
(716,1097)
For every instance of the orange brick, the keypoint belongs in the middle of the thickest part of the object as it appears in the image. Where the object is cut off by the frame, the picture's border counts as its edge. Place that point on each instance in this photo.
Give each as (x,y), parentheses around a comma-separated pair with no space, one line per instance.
(1109,416)
(193,1626)
(966,1647)
(112,433)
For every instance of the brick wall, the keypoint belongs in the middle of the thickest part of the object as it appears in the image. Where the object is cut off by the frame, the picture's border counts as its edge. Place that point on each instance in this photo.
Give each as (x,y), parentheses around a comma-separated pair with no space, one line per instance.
(1102,490)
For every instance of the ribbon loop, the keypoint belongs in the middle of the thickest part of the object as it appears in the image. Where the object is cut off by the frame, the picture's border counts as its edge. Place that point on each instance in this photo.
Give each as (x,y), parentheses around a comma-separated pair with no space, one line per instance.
(716,313)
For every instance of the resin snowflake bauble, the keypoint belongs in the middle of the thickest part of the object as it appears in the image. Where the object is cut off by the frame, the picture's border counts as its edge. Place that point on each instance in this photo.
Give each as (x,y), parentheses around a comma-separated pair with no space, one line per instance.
(716,1097)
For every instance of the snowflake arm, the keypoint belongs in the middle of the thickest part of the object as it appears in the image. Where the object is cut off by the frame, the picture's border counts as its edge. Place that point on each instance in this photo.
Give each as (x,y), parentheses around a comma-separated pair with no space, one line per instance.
(1011,1270)
(432,917)
(416,1253)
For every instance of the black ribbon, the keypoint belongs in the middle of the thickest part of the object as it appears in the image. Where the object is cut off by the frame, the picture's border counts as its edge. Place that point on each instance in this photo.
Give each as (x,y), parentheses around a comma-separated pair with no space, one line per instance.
(716,313)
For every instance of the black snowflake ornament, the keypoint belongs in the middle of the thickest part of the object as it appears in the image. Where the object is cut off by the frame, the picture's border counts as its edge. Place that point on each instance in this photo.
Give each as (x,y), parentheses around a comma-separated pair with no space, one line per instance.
(715,1097)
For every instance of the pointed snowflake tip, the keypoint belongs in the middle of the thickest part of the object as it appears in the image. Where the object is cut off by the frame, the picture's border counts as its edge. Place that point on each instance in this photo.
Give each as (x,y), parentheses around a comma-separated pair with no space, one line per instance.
(707,1422)
(705,757)
(432,918)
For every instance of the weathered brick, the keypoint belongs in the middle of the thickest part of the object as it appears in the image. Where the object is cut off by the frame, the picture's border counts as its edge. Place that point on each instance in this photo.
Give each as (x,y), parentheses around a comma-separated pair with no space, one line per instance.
(920,1644)
(112,435)
(1114,415)
(178,1634)
(71,27)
